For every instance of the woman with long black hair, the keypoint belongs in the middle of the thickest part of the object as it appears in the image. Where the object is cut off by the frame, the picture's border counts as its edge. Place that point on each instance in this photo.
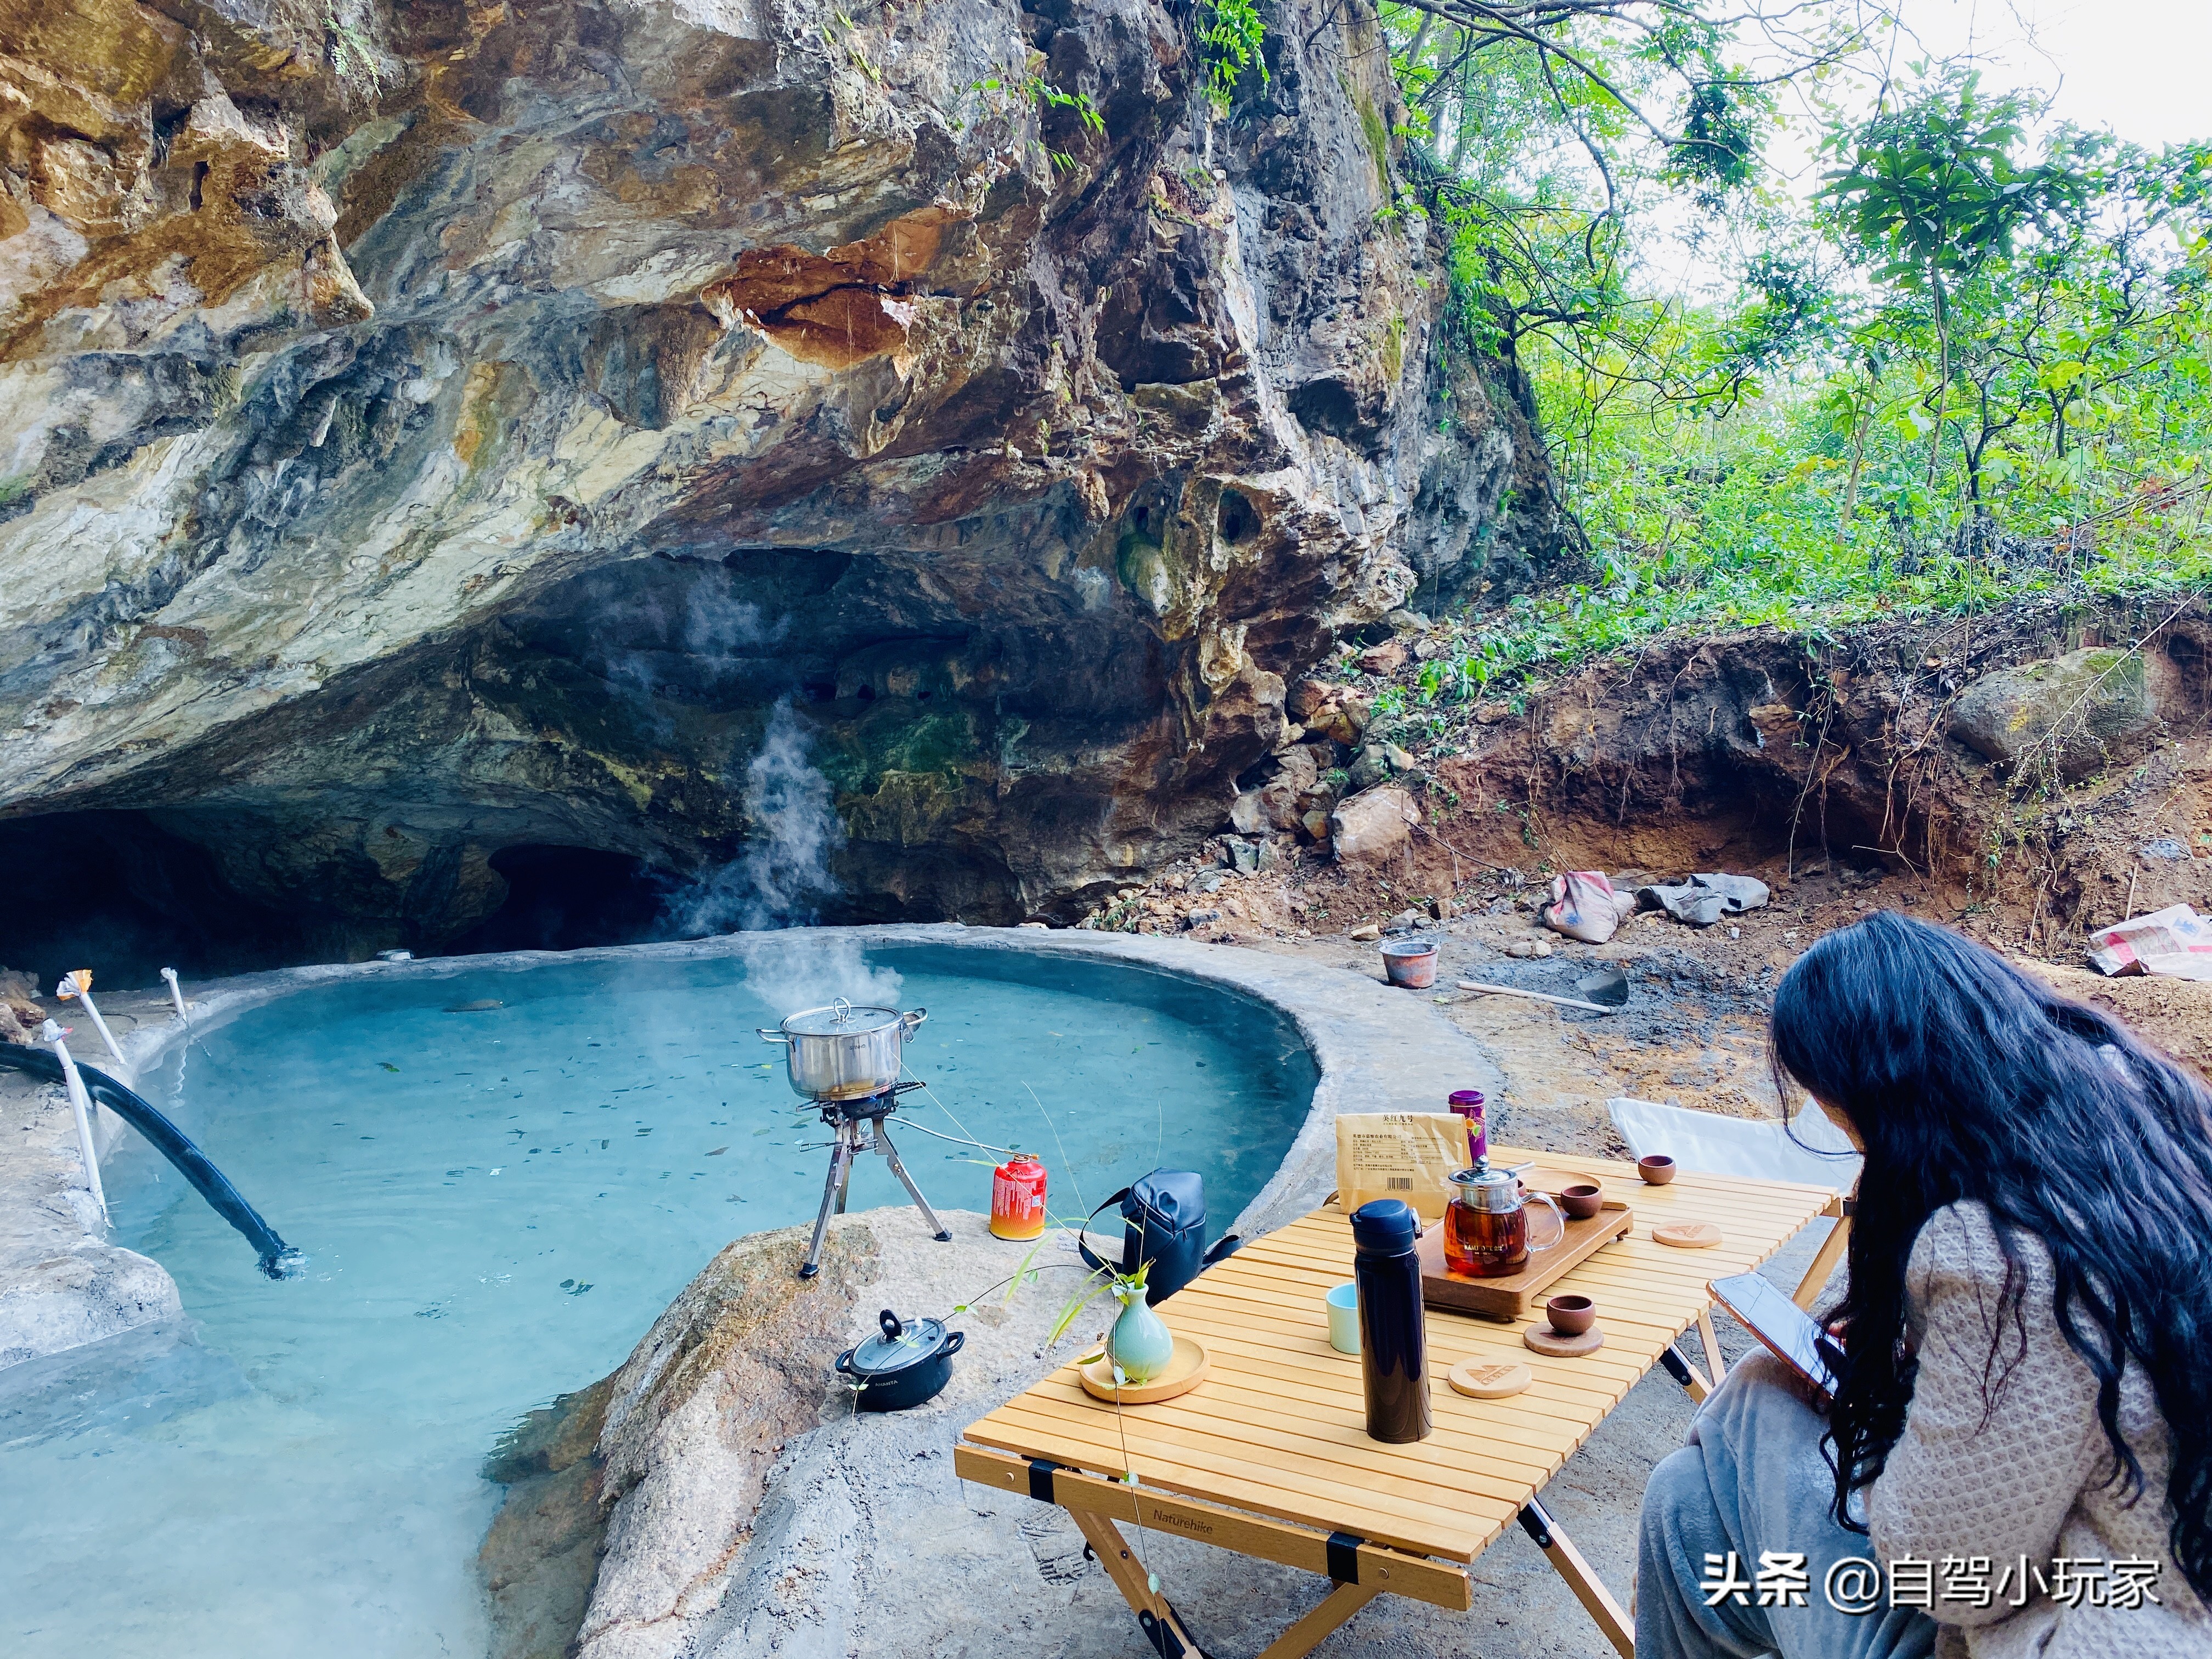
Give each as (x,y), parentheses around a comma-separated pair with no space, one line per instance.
(2023,1416)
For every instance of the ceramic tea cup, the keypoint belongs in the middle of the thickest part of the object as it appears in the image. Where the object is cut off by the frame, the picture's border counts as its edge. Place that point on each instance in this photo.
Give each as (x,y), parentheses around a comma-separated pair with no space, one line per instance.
(1658,1169)
(1343,1301)
(1582,1201)
(1570,1315)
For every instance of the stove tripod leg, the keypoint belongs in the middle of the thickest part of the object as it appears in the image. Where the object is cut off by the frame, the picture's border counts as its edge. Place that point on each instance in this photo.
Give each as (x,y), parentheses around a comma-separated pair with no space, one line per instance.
(890,1153)
(841,1163)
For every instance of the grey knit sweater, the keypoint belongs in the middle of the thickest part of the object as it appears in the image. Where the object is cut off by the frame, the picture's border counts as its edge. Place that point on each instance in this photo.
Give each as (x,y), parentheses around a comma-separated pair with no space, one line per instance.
(2028,1473)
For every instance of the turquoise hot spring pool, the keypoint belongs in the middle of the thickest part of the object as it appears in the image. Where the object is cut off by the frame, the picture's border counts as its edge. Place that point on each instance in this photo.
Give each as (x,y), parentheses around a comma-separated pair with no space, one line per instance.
(495,1205)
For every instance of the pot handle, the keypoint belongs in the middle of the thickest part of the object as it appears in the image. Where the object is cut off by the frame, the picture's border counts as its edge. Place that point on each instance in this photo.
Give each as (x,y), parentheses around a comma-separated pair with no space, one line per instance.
(954,1343)
(908,1022)
(845,1362)
(767,1035)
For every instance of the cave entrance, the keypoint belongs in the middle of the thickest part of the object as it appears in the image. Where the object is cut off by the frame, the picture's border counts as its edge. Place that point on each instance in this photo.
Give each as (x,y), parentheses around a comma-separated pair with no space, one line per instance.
(117,893)
(570,898)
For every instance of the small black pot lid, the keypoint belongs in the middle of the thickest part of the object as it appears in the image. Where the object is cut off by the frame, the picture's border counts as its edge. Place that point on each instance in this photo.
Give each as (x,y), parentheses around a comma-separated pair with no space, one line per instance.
(898,1345)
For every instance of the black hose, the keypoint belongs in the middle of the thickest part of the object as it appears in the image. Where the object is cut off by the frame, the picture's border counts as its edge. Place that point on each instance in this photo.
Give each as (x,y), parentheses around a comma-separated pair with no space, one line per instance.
(279,1258)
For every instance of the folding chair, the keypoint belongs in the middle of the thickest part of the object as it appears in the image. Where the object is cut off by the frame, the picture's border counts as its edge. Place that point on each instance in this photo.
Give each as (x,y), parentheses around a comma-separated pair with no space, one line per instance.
(1810,1149)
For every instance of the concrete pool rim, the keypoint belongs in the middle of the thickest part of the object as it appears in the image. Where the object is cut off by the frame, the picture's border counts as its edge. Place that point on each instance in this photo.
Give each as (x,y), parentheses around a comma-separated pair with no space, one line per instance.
(1375,1049)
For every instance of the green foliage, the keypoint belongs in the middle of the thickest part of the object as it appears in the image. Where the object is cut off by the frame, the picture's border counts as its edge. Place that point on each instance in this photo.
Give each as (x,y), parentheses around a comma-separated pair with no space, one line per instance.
(1034,92)
(1977,364)
(1230,38)
(1042,91)
(1936,188)
(353,53)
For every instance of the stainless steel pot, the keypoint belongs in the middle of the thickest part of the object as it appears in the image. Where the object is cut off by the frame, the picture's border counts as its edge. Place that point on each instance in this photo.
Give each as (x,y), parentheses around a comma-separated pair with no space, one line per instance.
(843,1053)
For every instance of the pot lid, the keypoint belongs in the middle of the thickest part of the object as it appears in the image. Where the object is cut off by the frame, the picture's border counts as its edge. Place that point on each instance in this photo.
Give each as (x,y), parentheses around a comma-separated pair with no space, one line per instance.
(840,1018)
(897,1344)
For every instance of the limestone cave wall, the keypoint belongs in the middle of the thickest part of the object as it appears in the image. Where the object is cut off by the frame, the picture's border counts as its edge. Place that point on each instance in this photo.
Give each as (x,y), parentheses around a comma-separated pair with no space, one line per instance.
(441,439)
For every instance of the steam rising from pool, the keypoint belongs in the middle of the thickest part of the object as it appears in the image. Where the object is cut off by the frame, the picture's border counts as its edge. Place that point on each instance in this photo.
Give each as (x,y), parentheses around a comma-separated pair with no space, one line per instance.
(797,968)
(784,872)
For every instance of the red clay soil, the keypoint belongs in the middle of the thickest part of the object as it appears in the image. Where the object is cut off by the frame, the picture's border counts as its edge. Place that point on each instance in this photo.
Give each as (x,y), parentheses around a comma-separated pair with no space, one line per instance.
(1829,774)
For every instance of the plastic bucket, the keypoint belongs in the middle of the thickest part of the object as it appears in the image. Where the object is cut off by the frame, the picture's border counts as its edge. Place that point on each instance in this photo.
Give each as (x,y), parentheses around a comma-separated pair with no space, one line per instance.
(1411,963)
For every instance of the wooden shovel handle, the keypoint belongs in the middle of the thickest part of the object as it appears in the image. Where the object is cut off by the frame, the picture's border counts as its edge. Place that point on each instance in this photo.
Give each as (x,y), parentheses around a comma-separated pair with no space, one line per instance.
(1541,996)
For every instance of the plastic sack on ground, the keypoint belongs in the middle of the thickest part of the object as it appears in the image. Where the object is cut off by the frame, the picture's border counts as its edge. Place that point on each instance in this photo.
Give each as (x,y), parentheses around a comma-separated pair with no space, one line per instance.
(1408,1155)
(1585,906)
(2176,942)
(1704,900)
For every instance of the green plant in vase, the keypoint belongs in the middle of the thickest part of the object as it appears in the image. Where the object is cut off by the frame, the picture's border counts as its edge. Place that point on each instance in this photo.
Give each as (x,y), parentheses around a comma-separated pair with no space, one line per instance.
(1140,1345)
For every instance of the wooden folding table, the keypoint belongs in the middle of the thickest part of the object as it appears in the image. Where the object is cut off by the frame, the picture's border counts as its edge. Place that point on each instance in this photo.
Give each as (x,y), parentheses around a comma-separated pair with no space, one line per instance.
(1270,1457)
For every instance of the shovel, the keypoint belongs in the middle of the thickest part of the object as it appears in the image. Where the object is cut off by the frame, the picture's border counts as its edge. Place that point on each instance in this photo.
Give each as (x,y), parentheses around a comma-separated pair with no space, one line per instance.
(1606,989)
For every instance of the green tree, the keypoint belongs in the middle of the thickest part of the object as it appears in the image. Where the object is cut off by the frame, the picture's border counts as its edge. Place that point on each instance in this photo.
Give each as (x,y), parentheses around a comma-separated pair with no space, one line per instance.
(1935,190)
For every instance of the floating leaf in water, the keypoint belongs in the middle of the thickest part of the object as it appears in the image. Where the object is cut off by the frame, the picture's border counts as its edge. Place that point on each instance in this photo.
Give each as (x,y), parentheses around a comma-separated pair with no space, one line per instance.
(718,1151)
(388,1065)
(482,1004)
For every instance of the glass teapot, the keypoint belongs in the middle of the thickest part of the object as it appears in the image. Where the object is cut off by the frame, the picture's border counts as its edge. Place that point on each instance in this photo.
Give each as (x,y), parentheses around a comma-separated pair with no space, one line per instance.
(1487,1225)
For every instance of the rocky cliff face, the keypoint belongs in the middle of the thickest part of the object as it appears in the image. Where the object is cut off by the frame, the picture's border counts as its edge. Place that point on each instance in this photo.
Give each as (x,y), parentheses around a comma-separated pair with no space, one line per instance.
(444,441)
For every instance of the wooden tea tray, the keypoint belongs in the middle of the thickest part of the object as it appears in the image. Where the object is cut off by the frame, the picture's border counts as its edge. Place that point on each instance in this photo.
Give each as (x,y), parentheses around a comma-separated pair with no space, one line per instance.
(1517,1296)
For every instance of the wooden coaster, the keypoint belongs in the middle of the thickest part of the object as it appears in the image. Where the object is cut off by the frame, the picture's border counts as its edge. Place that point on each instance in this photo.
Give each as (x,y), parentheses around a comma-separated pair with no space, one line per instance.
(1489,1379)
(1687,1235)
(1542,1339)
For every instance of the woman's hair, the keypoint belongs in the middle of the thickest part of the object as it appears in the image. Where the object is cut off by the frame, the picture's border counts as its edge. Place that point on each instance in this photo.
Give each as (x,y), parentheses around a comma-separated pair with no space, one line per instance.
(1966,1078)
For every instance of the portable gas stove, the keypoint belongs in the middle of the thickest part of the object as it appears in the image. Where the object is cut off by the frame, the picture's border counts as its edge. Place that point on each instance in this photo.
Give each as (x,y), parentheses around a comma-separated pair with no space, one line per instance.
(845,1061)
(861,1125)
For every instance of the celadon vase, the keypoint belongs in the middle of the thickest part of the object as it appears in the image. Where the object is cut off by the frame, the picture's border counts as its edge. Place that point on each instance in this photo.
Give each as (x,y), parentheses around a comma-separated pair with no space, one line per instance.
(1140,1342)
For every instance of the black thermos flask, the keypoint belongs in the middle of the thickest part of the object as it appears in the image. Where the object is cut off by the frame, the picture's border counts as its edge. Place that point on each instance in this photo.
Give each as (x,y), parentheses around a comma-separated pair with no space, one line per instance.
(1394,1347)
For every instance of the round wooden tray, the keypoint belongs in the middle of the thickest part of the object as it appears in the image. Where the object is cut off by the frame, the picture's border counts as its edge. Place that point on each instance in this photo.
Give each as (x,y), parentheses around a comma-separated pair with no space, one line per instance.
(1687,1235)
(1542,1339)
(1184,1372)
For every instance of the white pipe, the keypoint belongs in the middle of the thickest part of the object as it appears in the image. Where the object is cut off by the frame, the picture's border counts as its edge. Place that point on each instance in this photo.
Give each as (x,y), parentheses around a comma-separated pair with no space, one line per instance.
(176,992)
(81,1103)
(80,983)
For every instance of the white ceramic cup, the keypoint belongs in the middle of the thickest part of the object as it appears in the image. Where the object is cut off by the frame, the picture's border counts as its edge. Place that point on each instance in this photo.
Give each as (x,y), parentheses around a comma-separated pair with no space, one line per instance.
(1343,1318)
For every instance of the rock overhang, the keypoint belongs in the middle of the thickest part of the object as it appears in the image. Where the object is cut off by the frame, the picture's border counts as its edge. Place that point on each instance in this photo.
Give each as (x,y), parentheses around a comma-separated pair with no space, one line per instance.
(678,285)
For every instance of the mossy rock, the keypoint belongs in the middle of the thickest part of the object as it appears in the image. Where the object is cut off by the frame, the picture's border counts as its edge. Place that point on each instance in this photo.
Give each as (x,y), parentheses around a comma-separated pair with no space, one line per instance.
(2068,712)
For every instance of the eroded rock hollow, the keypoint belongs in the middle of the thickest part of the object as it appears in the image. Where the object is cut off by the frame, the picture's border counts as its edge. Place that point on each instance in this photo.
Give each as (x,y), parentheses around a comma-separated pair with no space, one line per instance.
(450,449)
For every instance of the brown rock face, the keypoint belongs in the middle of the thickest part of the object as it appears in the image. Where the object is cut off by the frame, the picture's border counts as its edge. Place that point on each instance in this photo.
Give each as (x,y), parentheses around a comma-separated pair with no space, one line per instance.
(443,444)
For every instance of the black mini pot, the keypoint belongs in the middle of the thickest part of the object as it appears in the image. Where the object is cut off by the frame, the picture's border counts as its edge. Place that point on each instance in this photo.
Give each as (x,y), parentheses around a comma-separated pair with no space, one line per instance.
(903,1366)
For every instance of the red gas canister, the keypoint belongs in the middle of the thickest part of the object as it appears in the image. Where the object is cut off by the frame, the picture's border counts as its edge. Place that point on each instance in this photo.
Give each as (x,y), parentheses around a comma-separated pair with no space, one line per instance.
(1017,1198)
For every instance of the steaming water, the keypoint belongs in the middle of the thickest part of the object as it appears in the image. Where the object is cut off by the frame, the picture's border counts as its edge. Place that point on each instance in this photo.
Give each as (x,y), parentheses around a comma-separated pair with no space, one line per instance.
(495,1206)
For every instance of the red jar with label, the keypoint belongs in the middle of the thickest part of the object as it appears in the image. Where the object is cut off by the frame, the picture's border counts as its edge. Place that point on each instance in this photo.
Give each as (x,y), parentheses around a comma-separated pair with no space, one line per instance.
(1017,1198)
